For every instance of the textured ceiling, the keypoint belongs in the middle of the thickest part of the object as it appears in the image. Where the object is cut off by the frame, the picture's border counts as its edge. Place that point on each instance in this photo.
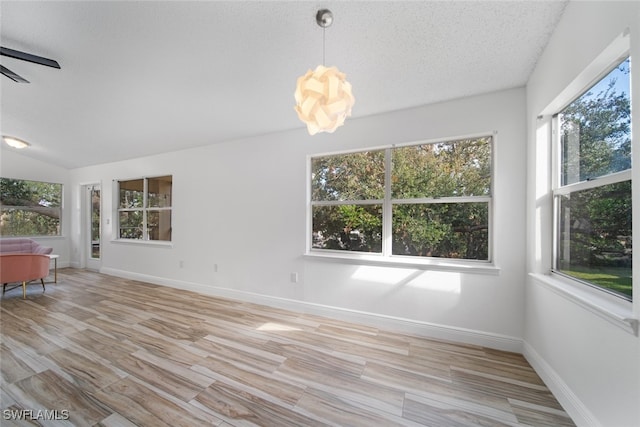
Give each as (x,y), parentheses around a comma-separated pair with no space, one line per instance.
(145,77)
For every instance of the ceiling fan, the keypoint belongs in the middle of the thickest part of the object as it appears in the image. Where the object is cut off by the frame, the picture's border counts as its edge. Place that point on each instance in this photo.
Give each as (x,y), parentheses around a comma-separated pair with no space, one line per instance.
(24,57)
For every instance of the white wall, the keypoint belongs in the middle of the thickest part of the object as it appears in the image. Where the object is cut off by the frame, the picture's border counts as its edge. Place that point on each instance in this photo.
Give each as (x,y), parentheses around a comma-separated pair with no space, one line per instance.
(241,206)
(18,166)
(586,355)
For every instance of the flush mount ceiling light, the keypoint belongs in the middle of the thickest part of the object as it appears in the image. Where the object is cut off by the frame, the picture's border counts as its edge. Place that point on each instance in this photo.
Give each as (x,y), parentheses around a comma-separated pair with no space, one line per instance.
(15,142)
(323,96)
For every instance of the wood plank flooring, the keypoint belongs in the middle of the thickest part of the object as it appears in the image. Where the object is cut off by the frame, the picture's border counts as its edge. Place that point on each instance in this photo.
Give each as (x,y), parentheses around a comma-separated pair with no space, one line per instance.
(99,350)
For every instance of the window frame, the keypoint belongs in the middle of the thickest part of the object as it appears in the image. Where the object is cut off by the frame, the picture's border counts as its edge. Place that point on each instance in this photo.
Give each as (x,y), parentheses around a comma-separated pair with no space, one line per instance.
(617,311)
(558,189)
(386,256)
(145,209)
(60,208)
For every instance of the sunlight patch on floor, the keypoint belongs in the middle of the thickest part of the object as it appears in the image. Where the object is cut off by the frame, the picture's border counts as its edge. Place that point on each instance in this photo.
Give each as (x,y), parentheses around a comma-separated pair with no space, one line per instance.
(276,327)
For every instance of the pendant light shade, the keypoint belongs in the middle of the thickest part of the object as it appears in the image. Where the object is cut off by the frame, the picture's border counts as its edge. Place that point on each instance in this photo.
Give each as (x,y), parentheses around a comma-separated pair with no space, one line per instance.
(323,96)
(323,99)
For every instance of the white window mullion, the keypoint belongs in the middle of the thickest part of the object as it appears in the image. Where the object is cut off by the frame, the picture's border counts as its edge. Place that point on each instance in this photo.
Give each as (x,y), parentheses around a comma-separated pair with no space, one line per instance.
(347,202)
(387,208)
(431,200)
(612,178)
(145,202)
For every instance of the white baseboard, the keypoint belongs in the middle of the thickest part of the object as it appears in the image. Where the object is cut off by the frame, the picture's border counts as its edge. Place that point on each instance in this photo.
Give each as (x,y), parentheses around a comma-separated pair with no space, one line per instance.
(572,405)
(413,327)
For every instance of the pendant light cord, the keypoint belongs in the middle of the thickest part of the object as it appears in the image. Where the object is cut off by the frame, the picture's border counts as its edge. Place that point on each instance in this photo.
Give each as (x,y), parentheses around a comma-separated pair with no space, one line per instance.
(324,33)
(324,18)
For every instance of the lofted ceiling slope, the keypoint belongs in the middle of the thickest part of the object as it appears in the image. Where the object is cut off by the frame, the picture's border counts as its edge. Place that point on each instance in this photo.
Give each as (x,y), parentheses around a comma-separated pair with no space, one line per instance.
(146,77)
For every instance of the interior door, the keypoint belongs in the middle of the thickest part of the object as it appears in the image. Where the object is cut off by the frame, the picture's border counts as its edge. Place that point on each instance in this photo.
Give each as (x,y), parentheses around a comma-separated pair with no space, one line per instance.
(93,232)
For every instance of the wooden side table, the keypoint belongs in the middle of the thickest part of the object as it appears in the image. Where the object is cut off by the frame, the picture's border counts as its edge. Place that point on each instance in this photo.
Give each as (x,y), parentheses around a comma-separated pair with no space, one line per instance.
(55,257)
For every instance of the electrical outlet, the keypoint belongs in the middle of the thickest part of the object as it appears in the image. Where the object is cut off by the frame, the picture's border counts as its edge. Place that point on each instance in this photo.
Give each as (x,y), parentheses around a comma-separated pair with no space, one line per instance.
(215,268)
(181,264)
(294,277)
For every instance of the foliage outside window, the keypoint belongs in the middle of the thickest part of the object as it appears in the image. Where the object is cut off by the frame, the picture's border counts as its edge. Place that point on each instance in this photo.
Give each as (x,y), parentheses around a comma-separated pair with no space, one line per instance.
(144,208)
(593,191)
(30,208)
(427,200)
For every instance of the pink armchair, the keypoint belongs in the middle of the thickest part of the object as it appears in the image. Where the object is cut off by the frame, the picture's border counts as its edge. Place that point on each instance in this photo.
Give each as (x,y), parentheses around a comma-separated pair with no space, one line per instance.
(22,245)
(23,268)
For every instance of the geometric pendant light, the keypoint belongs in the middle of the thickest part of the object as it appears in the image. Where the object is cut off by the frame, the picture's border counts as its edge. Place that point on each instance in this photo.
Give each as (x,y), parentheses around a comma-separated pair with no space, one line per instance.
(323,96)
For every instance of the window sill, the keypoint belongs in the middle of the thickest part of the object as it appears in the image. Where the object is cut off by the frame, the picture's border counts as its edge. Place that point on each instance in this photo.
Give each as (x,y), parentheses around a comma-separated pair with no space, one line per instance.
(478,267)
(610,308)
(153,243)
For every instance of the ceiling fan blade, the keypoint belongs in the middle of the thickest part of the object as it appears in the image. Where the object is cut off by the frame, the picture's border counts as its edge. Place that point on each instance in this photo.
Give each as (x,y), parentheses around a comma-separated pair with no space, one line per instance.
(4,51)
(13,76)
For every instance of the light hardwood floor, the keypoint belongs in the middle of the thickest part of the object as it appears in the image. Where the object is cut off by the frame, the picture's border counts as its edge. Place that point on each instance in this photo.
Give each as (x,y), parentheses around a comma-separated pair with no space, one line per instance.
(116,352)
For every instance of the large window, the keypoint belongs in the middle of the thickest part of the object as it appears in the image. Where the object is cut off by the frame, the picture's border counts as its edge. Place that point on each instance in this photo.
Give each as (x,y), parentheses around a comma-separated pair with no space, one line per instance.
(426,200)
(592,194)
(144,208)
(30,208)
